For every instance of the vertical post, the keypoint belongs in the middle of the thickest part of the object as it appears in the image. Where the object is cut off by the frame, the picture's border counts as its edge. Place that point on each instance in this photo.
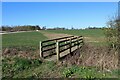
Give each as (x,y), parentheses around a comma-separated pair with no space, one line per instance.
(65,43)
(82,40)
(78,42)
(41,53)
(70,46)
(55,40)
(57,51)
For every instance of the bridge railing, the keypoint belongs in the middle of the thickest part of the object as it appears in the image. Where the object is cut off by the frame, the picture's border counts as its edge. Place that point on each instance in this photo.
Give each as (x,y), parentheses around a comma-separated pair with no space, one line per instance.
(59,45)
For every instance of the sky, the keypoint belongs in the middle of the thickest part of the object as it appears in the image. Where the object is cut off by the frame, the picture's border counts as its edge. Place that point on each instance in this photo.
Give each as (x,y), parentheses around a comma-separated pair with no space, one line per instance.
(58,14)
(60,0)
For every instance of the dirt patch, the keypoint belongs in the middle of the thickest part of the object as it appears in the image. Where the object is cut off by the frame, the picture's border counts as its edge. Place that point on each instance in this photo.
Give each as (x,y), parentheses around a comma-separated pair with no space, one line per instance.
(53,35)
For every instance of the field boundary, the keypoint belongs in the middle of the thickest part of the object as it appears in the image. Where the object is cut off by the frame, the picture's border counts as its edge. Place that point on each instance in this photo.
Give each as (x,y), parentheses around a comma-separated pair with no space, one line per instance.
(60,45)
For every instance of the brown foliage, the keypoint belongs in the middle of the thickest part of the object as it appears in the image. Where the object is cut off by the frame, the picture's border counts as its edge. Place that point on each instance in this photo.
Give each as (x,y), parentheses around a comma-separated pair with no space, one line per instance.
(89,55)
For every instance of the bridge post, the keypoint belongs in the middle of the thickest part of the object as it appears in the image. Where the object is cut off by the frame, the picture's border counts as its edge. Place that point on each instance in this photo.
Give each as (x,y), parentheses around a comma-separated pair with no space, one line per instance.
(41,53)
(57,51)
(70,46)
(65,43)
(78,42)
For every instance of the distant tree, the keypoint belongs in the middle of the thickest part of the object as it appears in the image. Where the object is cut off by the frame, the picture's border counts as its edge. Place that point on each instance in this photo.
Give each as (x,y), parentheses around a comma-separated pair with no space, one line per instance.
(44,28)
(72,28)
(6,28)
(0,28)
(37,27)
(21,28)
(3,28)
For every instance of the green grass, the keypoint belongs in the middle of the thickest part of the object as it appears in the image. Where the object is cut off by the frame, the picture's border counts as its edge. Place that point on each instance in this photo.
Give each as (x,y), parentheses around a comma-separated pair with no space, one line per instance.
(17,67)
(85,33)
(33,38)
(93,36)
(32,68)
(86,72)
(22,39)
(13,65)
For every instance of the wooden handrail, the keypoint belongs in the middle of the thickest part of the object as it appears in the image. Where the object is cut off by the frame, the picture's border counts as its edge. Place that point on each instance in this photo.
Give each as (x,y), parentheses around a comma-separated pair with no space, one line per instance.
(70,41)
(56,39)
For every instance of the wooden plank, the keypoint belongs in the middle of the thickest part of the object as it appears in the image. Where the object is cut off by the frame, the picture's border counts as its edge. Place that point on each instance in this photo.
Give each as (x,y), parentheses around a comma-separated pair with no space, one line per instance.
(41,53)
(64,44)
(74,41)
(57,51)
(73,38)
(57,39)
(64,41)
(64,37)
(80,39)
(78,42)
(48,49)
(70,46)
(64,49)
(49,45)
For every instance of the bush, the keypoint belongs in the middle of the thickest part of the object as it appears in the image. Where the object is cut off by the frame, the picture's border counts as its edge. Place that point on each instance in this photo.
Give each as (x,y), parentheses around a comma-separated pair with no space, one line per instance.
(113,33)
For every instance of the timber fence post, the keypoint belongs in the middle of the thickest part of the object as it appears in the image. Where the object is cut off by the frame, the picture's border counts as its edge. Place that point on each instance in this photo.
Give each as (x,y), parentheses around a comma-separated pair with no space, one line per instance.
(78,42)
(70,45)
(57,51)
(41,53)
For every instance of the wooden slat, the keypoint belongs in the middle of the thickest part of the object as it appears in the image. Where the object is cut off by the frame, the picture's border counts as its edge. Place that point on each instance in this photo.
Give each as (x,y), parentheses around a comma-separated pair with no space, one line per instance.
(74,45)
(64,49)
(63,41)
(64,44)
(49,45)
(73,38)
(48,49)
(57,39)
(50,55)
(80,39)
(74,41)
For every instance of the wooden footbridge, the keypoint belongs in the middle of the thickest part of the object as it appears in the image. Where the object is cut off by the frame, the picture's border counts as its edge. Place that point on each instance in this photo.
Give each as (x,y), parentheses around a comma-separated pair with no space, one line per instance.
(54,49)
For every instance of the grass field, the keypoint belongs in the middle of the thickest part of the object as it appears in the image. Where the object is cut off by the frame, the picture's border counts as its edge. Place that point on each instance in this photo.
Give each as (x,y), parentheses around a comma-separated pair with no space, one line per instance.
(17,67)
(85,33)
(33,38)
(22,39)
(94,36)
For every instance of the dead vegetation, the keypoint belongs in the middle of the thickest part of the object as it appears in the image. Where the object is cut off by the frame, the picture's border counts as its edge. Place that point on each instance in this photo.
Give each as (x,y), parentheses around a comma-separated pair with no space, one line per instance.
(89,55)
(11,52)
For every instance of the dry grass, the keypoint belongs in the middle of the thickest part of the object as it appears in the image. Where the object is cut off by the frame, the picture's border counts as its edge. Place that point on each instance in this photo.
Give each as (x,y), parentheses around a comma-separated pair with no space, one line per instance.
(89,55)
(50,35)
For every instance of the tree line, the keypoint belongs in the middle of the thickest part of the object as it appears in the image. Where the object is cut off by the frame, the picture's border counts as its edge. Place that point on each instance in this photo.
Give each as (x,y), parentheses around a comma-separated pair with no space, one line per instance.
(21,28)
(37,27)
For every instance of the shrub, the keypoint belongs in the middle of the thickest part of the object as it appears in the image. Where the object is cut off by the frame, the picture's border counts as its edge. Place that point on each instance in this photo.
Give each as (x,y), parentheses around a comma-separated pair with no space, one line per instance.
(113,33)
